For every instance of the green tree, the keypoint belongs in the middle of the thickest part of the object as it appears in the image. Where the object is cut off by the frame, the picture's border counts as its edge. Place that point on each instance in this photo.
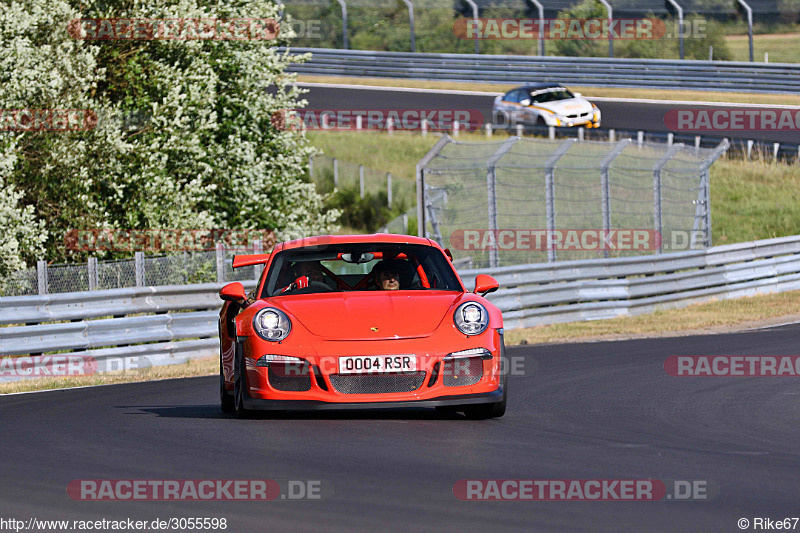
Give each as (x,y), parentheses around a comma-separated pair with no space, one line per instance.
(184,137)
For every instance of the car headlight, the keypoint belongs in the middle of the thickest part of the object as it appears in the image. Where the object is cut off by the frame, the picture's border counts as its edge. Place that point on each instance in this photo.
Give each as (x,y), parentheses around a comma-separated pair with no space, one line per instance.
(471,318)
(272,324)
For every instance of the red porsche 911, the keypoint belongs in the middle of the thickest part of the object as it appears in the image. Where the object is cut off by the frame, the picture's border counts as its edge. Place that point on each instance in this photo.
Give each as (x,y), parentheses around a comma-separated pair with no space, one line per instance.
(360,321)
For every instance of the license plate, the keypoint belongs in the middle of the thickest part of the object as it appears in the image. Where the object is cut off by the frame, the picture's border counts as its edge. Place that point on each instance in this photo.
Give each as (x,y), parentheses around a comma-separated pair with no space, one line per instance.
(374,364)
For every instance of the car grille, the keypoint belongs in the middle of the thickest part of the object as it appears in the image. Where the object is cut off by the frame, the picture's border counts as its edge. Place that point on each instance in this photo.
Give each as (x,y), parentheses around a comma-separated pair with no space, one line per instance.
(289,378)
(377,383)
(462,371)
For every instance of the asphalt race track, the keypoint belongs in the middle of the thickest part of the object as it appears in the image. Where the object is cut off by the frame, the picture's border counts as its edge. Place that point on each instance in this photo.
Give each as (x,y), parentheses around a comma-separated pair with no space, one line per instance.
(623,115)
(605,410)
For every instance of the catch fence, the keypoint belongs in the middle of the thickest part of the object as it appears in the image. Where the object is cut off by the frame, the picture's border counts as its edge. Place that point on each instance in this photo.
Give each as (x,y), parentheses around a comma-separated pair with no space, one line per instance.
(520,200)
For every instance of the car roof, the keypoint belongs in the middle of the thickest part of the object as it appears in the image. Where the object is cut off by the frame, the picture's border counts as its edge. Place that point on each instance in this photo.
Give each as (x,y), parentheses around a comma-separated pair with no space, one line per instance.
(376,238)
(537,86)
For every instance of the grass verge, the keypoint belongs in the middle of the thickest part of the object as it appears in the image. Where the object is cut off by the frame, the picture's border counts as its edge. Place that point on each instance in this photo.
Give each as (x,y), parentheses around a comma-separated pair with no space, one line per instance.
(197,367)
(606,92)
(715,317)
(781,47)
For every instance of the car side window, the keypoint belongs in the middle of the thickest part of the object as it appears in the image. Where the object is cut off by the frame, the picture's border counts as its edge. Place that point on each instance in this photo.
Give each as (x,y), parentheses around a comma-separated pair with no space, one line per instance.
(512,96)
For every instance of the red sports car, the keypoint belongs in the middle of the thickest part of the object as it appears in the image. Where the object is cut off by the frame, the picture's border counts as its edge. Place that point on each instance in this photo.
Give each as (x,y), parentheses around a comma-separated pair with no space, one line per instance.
(360,321)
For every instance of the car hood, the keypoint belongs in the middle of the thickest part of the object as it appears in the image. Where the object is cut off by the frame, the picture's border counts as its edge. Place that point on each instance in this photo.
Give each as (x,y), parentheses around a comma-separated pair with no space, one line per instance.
(571,106)
(378,315)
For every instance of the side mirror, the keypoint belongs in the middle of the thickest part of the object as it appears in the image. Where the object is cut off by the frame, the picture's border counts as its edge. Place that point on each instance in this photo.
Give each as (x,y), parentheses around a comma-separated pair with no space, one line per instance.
(449,254)
(233,292)
(484,284)
(525,102)
(577,95)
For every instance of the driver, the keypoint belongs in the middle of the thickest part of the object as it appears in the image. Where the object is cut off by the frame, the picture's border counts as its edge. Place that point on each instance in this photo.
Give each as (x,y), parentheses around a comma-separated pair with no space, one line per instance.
(386,274)
(306,272)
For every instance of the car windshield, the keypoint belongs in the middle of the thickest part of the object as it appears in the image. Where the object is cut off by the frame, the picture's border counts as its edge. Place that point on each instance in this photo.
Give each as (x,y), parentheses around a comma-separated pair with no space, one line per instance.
(551,94)
(359,267)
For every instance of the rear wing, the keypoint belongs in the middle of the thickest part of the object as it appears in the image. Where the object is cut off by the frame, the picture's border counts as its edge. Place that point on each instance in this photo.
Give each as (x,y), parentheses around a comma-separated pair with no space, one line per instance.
(251,259)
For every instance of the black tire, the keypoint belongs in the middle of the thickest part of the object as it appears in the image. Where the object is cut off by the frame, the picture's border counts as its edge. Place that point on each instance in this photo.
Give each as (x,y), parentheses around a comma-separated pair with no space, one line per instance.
(226,401)
(483,411)
(239,386)
(490,410)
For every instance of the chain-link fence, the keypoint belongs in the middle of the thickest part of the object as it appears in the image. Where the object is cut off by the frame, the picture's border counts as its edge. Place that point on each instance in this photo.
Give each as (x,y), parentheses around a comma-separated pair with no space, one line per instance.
(142,270)
(523,201)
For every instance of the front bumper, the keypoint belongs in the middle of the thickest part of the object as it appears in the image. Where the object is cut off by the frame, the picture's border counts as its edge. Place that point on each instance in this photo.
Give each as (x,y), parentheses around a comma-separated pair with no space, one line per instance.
(315,405)
(319,385)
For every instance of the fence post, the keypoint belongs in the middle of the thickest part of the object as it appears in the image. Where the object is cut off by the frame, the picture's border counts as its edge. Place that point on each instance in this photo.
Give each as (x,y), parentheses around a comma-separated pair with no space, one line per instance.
(258,248)
(580,133)
(612,135)
(551,132)
(749,148)
(519,130)
(455,128)
(491,196)
(488,128)
(775,148)
(361,180)
(424,127)
(344,24)
(419,177)
(389,189)
(405,223)
(610,13)
(640,138)
(138,264)
(549,194)
(220,254)
(335,172)
(605,189)
(91,270)
(657,197)
(41,275)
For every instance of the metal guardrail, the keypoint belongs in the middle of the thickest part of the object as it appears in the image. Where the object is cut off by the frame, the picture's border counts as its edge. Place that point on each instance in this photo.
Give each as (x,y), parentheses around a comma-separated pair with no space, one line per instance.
(601,72)
(533,295)
(181,321)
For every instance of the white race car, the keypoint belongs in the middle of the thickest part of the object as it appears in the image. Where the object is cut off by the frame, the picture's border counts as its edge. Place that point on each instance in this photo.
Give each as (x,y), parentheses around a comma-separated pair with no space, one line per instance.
(545,104)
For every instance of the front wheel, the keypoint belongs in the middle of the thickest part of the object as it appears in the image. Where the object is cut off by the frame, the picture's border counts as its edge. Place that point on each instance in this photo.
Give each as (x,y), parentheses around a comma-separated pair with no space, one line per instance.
(486,410)
(239,386)
(226,401)
(489,410)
